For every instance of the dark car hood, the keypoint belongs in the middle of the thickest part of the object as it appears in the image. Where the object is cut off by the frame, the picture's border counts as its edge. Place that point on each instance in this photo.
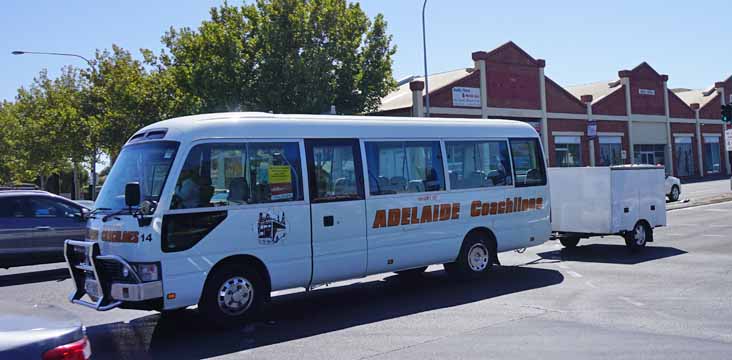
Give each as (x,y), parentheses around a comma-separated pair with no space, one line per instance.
(36,328)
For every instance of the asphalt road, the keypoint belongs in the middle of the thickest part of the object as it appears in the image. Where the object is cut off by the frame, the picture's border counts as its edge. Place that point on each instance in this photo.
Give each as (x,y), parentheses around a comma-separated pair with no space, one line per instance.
(672,301)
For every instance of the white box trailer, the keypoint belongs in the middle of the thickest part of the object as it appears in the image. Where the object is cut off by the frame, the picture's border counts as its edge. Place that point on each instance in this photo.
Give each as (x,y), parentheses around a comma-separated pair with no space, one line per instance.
(620,200)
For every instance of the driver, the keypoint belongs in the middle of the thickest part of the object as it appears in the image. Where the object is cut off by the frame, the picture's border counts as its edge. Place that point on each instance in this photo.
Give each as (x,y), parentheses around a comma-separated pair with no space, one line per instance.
(188,189)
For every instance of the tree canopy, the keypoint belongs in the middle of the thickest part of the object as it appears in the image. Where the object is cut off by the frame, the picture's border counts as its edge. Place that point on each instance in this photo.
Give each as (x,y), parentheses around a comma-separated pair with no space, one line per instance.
(281,56)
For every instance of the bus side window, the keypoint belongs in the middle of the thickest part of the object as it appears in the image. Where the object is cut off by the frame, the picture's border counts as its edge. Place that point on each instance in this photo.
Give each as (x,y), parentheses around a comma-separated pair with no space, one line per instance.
(528,163)
(225,174)
(335,170)
(396,167)
(477,164)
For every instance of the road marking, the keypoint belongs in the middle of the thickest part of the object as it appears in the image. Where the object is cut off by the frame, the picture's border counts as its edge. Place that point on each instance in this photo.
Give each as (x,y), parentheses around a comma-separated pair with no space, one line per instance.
(630,301)
(701,206)
(712,235)
(719,225)
(590,284)
(717,210)
(574,274)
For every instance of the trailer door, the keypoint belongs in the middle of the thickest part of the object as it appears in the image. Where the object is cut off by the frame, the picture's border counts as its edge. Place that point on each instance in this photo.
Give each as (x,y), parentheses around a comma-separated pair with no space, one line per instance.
(337,210)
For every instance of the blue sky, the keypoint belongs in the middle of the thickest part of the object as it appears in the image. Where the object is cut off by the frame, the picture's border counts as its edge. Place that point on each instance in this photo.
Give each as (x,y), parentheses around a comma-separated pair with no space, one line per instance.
(581,41)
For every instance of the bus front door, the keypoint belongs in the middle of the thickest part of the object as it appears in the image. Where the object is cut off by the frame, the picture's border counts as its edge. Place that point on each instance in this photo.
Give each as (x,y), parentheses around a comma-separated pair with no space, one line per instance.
(337,210)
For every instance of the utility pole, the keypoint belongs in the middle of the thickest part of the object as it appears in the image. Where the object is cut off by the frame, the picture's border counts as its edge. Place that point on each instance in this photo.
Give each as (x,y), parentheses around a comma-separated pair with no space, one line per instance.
(426,78)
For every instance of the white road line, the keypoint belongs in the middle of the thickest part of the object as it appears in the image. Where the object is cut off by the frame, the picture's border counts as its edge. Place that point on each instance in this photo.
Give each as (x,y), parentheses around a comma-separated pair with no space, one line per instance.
(574,274)
(712,235)
(717,210)
(701,206)
(719,225)
(590,284)
(630,301)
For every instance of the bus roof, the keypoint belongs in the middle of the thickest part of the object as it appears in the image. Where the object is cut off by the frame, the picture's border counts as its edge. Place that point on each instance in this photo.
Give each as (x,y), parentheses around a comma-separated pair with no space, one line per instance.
(281,126)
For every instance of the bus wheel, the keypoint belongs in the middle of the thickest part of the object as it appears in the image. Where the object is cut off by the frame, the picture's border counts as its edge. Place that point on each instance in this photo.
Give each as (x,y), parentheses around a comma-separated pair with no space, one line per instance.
(637,238)
(231,295)
(475,259)
(570,242)
(412,273)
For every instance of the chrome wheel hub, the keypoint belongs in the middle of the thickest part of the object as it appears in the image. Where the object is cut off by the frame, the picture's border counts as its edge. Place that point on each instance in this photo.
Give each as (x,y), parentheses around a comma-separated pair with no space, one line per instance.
(235,296)
(675,193)
(478,257)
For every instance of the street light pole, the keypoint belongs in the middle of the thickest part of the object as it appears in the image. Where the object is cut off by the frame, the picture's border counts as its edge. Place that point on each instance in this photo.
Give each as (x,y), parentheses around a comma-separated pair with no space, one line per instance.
(94,156)
(426,78)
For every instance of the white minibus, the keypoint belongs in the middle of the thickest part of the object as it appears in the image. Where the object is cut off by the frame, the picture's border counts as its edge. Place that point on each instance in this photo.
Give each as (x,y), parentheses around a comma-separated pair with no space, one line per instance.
(220,210)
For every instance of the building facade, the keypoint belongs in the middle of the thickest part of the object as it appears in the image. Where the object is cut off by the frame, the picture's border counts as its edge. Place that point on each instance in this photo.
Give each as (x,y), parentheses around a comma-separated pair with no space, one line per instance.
(633,119)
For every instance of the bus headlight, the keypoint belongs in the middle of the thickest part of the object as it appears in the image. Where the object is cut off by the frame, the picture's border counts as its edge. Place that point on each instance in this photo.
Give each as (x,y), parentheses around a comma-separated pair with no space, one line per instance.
(148,271)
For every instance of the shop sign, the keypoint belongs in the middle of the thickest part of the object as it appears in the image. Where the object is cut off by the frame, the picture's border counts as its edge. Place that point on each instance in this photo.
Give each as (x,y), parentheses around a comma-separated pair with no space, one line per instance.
(728,139)
(466,96)
(650,92)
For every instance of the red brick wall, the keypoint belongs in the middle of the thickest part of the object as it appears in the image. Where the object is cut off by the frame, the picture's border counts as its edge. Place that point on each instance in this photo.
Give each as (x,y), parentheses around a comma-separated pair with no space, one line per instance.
(559,100)
(712,109)
(513,86)
(569,125)
(443,97)
(678,108)
(644,77)
(613,104)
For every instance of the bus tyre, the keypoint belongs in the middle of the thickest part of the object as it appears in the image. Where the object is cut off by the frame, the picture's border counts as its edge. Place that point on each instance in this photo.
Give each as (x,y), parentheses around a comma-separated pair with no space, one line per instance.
(570,242)
(637,238)
(232,295)
(474,260)
(412,273)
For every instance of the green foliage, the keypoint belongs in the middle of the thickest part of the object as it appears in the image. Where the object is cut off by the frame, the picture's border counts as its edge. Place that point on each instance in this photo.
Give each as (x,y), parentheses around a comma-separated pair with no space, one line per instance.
(284,56)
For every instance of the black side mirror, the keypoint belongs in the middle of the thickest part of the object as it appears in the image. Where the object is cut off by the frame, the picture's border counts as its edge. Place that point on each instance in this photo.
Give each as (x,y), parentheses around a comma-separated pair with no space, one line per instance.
(132,194)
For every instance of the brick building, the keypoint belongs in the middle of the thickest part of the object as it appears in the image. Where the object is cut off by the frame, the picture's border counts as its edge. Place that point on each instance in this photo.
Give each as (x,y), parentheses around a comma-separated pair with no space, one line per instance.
(634,118)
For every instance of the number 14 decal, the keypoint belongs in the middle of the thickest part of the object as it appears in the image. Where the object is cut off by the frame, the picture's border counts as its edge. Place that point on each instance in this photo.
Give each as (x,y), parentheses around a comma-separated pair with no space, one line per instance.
(147,237)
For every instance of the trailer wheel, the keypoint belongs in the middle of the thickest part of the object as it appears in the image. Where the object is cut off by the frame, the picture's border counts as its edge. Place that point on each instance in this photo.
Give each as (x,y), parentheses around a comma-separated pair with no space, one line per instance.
(570,242)
(475,259)
(232,294)
(412,273)
(637,238)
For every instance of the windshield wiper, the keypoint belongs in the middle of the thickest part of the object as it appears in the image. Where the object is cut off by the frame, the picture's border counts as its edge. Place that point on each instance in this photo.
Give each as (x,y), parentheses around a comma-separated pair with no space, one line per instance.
(90,215)
(118,212)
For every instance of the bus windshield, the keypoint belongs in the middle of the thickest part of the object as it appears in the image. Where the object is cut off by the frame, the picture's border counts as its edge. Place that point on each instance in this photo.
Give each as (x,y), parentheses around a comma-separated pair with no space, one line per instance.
(146,163)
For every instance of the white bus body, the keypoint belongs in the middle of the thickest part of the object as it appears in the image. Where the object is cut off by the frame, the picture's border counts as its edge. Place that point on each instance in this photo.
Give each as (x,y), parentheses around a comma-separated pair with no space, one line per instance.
(300,200)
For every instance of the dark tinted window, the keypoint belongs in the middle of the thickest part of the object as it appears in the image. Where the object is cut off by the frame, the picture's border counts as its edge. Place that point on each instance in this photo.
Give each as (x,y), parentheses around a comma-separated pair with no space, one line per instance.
(528,162)
(396,167)
(183,231)
(41,207)
(13,207)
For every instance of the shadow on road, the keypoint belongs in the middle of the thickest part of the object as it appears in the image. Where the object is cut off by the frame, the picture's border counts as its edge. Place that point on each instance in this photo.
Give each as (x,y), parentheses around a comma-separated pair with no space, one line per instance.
(34,277)
(612,254)
(300,315)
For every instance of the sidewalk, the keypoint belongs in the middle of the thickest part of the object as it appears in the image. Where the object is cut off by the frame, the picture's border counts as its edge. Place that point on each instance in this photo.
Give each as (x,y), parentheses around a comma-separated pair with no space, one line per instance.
(699,201)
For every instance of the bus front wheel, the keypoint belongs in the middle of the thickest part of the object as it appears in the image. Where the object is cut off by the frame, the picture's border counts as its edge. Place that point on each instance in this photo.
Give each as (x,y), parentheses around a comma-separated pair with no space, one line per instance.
(233,294)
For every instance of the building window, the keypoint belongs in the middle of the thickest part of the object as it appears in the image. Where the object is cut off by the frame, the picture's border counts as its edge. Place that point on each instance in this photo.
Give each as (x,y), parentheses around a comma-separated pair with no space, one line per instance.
(712,162)
(397,167)
(684,156)
(611,148)
(475,164)
(567,151)
(650,154)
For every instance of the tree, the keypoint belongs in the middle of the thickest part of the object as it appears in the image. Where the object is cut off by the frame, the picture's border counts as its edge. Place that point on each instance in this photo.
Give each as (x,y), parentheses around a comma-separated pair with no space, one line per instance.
(10,166)
(283,56)
(51,131)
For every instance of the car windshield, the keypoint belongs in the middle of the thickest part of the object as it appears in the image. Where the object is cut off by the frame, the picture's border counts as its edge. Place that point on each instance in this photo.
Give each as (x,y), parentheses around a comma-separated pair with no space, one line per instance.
(146,163)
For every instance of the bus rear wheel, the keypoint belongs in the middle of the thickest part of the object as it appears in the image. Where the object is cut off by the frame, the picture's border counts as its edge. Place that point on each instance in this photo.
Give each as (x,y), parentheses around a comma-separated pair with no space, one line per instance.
(232,295)
(475,259)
